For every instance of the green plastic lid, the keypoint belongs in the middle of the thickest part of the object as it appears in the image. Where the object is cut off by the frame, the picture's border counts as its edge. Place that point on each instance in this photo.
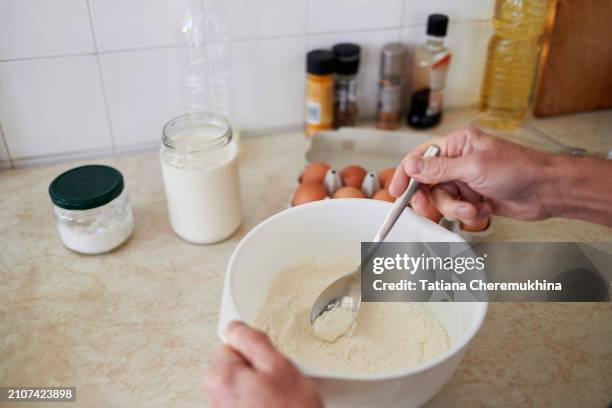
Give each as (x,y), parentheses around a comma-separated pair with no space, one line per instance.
(86,187)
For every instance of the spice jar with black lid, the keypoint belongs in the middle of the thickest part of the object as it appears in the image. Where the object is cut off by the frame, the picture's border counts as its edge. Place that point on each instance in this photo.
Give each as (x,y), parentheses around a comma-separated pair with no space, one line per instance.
(319,91)
(346,65)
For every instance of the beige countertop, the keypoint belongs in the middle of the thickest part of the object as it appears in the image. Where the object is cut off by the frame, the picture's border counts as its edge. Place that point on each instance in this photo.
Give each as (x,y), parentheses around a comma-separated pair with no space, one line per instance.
(136,327)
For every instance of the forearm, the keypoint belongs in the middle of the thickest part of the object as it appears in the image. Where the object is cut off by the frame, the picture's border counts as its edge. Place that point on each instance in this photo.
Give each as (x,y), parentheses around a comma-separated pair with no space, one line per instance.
(579,188)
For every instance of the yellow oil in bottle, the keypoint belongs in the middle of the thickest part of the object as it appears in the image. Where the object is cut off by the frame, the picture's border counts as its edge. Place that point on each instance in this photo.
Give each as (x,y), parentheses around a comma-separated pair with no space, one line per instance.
(511,62)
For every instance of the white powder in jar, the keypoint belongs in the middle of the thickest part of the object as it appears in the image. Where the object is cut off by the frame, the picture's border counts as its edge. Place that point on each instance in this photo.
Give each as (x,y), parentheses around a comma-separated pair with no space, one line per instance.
(99,240)
(96,230)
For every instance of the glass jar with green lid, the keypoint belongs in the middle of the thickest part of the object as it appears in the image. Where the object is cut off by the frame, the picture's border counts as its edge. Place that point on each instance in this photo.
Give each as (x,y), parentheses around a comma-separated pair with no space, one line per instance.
(91,209)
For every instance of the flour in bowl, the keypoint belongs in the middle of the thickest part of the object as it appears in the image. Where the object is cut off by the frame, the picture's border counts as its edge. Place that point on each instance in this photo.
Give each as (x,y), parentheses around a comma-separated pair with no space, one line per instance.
(385,336)
(334,323)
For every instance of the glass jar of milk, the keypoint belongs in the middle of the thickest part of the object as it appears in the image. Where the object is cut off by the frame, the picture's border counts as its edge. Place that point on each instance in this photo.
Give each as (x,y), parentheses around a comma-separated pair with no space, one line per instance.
(200,171)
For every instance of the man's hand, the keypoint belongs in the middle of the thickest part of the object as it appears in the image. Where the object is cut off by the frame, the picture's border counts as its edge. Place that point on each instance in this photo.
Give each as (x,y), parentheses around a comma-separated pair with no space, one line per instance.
(475,176)
(250,372)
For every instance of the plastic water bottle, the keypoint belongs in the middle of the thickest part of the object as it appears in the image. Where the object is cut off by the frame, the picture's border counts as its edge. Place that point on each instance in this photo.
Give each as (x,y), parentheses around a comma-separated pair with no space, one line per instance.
(205,33)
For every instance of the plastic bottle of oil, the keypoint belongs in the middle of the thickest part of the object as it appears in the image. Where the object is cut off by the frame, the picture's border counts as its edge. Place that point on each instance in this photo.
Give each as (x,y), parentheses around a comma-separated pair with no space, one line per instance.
(511,61)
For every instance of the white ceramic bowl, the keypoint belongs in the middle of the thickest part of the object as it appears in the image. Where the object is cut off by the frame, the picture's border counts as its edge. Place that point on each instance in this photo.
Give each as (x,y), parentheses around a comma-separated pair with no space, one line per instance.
(332,228)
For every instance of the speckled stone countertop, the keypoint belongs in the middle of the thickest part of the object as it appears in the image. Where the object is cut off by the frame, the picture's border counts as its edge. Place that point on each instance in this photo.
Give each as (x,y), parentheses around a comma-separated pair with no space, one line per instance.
(136,327)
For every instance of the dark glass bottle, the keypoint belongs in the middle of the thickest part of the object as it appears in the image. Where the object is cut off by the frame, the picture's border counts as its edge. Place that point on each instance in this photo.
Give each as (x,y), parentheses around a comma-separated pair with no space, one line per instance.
(429,75)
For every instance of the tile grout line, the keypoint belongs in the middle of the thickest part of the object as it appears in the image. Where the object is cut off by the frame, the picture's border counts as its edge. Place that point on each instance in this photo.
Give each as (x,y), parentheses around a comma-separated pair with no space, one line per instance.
(6,148)
(307,31)
(44,57)
(76,153)
(238,40)
(399,30)
(144,147)
(304,60)
(306,19)
(101,78)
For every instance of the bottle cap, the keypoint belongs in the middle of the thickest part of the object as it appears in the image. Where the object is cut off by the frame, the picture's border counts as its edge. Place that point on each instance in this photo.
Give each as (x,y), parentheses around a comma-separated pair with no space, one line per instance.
(437,24)
(320,62)
(347,58)
(392,60)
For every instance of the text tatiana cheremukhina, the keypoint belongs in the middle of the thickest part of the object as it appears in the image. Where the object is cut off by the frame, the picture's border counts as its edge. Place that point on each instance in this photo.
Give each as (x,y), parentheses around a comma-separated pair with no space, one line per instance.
(475,285)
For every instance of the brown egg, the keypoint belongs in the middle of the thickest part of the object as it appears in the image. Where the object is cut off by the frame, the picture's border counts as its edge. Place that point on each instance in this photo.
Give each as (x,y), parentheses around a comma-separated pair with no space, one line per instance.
(349,192)
(352,176)
(385,177)
(383,195)
(433,213)
(308,191)
(476,226)
(315,172)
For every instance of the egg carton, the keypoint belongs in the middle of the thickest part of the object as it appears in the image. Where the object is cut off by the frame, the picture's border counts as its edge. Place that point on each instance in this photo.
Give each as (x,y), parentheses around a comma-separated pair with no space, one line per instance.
(333,182)
(372,184)
(370,148)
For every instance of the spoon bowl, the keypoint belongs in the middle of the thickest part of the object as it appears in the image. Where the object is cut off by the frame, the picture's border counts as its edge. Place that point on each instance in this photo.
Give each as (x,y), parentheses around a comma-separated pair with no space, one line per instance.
(343,292)
(346,290)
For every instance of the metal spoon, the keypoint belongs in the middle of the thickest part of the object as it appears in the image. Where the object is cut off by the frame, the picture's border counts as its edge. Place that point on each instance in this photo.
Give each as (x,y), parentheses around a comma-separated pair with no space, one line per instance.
(346,290)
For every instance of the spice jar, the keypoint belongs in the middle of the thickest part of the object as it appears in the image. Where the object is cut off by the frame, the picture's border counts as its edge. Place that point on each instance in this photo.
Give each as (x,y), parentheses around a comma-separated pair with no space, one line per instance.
(91,209)
(319,91)
(200,172)
(346,65)
(390,86)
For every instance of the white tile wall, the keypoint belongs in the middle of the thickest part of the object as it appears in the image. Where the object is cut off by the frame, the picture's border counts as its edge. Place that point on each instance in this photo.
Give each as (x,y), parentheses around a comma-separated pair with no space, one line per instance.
(417,11)
(143,92)
(351,15)
(129,24)
(84,76)
(251,19)
(52,106)
(268,83)
(39,28)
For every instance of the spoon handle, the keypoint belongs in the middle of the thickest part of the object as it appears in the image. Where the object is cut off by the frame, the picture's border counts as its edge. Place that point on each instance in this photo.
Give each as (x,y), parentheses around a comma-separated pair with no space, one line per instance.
(402,201)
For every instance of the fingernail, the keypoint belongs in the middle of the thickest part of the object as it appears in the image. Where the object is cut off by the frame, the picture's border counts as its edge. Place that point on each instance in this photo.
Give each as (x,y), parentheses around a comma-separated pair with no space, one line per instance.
(464,211)
(233,325)
(484,211)
(416,167)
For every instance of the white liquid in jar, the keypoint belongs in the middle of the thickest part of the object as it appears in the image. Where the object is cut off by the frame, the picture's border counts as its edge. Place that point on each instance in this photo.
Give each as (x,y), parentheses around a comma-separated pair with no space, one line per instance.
(203,194)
